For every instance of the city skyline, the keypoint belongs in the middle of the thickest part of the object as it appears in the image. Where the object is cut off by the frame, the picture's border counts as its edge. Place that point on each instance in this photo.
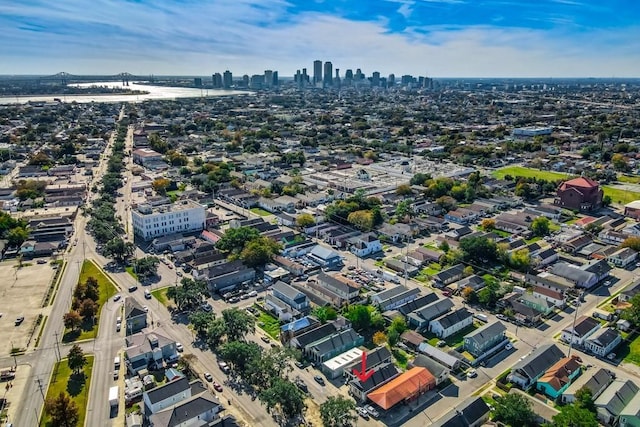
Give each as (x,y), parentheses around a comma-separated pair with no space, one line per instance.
(438,38)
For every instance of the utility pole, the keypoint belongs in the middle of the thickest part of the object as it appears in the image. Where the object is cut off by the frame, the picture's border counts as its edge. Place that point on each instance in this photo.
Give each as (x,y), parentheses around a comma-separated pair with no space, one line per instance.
(59,356)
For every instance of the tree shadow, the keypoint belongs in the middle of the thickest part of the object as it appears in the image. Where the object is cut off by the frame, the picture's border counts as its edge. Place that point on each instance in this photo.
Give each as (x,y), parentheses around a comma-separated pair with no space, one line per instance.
(76,383)
(70,336)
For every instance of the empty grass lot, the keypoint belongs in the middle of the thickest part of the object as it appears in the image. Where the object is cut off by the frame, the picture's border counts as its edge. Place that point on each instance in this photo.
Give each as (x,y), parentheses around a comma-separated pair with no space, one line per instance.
(259,211)
(106,288)
(77,386)
(269,324)
(630,351)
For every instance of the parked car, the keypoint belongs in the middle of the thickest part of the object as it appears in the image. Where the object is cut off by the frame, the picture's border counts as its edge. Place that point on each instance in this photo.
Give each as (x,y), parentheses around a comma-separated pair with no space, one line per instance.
(441,343)
(265,339)
(208,377)
(372,411)
(19,320)
(217,386)
(362,412)
(319,379)
(179,347)
(508,347)
(472,373)
(117,297)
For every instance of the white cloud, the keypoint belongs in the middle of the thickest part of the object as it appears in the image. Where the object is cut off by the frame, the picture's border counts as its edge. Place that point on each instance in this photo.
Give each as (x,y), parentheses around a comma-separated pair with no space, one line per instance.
(243,36)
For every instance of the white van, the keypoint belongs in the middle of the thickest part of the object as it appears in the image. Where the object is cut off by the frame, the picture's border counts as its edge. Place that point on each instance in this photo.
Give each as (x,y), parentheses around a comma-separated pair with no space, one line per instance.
(116,362)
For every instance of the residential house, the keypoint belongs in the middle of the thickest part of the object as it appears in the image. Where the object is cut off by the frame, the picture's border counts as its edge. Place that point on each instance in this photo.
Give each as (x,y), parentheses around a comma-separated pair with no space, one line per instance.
(596,382)
(364,245)
(135,316)
(168,394)
(541,305)
(485,338)
(439,356)
(574,274)
(224,277)
(315,334)
(438,370)
(325,257)
(632,209)
(417,304)
(332,345)
(554,297)
(382,374)
(374,358)
(603,342)
(422,256)
(583,194)
(559,377)
(611,403)
(527,371)
(392,298)
(412,339)
(623,257)
(347,290)
(428,208)
(420,318)
(630,291)
(148,349)
(545,257)
(448,276)
(403,268)
(575,244)
(582,329)
(474,282)
(297,327)
(472,412)
(612,237)
(290,296)
(451,323)
(630,415)
(404,388)
(199,410)
(461,216)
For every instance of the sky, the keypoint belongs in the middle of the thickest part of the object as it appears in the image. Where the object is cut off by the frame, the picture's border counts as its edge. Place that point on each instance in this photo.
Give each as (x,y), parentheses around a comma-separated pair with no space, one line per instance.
(436,38)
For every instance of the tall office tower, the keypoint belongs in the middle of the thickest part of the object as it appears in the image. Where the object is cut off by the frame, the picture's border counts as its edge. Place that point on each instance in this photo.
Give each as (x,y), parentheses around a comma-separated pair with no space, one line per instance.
(305,78)
(406,79)
(420,81)
(359,76)
(328,73)
(348,75)
(197,82)
(217,80)
(256,81)
(268,78)
(336,80)
(245,80)
(227,79)
(383,82)
(375,79)
(275,82)
(317,72)
(391,81)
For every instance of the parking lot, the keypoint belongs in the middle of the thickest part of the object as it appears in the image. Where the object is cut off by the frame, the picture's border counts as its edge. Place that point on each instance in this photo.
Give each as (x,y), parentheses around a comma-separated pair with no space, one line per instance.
(21,293)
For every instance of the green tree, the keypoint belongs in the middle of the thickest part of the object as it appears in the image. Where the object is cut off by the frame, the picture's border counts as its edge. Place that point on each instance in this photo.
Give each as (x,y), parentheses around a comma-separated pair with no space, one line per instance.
(160,185)
(540,226)
(200,321)
(575,416)
(17,236)
(514,410)
(283,396)
(480,249)
(632,313)
(118,249)
(146,267)
(631,242)
(305,220)
(521,259)
(76,359)
(72,320)
(488,224)
(188,294)
(393,337)
(237,323)
(362,219)
(62,410)
(235,239)
(398,324)
(215,333)
(259,251)
(403,209)
(489,294)
(324,313)
(584,399)
(88,309)
(338,411)
(404,190)
(360,317)
(239,353)
(619,162)
(272,365)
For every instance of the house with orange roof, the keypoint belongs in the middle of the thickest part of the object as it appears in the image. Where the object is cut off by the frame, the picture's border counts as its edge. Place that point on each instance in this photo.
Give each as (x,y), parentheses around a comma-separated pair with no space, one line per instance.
(583,194)
(559,377)
(403,388)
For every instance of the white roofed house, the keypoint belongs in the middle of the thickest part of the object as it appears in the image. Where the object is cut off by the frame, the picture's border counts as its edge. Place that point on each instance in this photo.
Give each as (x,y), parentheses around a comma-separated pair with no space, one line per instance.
(451,323)
(364,245)
(622,257)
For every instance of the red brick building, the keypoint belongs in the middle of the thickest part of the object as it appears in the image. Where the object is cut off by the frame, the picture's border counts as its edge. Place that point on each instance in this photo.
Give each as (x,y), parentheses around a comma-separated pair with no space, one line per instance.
(583,194)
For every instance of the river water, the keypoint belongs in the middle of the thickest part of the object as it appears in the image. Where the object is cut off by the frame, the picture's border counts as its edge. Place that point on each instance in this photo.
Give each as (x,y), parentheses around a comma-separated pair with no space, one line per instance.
(155,92)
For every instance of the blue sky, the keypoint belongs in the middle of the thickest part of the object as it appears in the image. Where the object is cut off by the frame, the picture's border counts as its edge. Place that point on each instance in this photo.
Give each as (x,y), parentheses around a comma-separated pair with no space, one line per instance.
(440,38)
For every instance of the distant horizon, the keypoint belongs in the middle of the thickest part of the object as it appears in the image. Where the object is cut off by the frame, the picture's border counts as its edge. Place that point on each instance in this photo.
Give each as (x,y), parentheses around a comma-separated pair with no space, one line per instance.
(451,38)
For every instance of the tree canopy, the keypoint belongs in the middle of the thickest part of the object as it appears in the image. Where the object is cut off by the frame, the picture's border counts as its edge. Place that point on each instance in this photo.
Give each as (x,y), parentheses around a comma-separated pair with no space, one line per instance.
(514,410)
(479,250)
(540,226)
(338,411)
(62,410)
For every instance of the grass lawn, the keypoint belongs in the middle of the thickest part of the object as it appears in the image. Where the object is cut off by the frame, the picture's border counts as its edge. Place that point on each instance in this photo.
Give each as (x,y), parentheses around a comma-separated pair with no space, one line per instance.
(619,195)
(161,295)
(515,171)
(630,179)
(629,351)
(501,233)
(433,268)
(259,211)
(77,386)
(401,357)
(129,270)
(454,340)
(533,240)
(106,288)
(269,324)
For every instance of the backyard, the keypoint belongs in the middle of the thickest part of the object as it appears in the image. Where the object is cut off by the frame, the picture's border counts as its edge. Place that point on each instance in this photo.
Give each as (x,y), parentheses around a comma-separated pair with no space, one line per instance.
(106,289)
(269,324)
(77,386)
(629,351)
(453,341)
(259,211)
